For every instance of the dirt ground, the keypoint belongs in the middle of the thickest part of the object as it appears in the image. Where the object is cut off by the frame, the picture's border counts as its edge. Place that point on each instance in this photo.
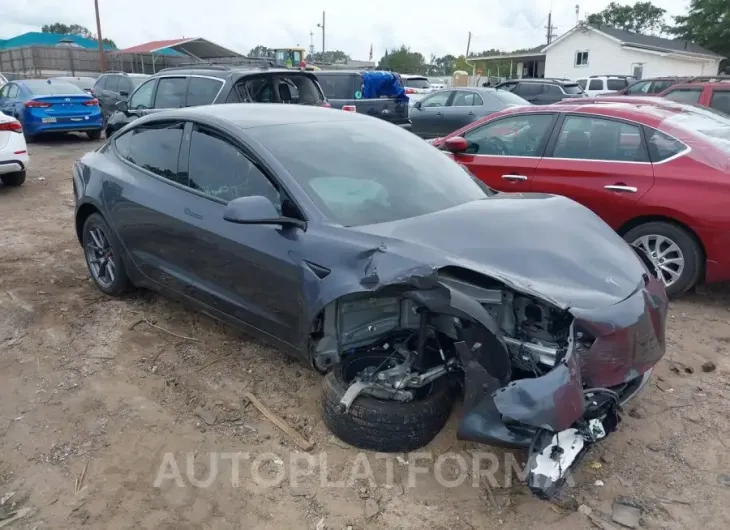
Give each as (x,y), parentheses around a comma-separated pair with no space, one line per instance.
(99,395)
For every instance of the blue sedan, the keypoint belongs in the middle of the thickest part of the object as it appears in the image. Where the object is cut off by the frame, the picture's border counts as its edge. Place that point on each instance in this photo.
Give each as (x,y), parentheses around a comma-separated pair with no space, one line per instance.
(46,106)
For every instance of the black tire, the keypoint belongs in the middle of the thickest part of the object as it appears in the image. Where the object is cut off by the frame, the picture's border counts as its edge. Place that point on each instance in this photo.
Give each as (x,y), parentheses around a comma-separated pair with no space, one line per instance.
(94,135)
(120,283)
(384,426)
(30,138)
(13,179)
(688,245)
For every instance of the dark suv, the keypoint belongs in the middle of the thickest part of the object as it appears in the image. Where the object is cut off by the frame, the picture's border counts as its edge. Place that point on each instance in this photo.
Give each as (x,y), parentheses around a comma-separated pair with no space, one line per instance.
(207,84)
(543,91)
(112,87)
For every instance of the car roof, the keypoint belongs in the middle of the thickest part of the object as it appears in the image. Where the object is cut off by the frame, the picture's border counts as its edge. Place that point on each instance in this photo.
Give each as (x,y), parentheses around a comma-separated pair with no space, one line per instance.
(555,80)
(223,72)
(700,84)
(250,115)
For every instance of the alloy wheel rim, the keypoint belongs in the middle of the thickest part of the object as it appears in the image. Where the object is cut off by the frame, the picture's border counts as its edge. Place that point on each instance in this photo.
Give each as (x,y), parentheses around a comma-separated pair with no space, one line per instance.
(100,257)
(666,256)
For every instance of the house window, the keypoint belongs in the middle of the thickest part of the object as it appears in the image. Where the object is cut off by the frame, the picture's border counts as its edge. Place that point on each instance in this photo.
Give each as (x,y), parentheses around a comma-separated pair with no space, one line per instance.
(581,58)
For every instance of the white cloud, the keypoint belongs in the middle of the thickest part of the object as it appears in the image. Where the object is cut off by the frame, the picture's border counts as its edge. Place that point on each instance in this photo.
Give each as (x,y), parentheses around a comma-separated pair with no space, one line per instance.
(428,26)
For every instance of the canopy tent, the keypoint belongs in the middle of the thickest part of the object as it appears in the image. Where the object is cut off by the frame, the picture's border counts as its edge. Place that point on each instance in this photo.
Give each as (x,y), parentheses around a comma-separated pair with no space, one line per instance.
(196,48)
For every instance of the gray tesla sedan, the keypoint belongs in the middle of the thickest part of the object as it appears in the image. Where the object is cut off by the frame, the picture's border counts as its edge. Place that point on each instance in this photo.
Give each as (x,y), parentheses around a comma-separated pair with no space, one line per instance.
(375,258)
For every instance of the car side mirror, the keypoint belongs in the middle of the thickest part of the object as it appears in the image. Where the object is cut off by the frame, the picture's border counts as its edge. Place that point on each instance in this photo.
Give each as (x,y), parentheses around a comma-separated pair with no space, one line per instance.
(121,106)
(417,104)
(257,210)
(457,144)
(124,93)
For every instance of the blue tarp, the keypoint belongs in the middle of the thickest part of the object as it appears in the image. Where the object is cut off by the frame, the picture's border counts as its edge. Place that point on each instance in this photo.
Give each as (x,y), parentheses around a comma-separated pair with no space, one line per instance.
(379,84)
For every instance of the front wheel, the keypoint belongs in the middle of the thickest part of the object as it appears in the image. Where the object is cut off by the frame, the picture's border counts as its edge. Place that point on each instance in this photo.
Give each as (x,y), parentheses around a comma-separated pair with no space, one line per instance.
(386,426)
(674,251)
(103,257)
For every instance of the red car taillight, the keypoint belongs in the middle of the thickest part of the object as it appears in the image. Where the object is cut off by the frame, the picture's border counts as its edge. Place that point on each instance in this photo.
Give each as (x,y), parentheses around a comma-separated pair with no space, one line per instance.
(37,104)
(410,91)
(349,108)
(12,126)
(92,102)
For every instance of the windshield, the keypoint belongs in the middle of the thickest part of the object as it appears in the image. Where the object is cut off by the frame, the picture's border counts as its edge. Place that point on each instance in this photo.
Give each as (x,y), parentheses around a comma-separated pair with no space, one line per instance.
(51,88)
(572,89)
(417,82)
(360,173)
(509,98)
(84,83)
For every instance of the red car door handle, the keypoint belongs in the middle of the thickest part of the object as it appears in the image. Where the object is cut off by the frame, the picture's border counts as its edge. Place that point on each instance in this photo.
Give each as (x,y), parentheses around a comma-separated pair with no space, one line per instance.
(622,188)
(439,114)
(514,178)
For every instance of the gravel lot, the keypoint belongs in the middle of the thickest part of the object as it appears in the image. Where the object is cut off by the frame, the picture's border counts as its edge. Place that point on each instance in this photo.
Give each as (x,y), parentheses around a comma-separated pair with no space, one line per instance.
(98,393)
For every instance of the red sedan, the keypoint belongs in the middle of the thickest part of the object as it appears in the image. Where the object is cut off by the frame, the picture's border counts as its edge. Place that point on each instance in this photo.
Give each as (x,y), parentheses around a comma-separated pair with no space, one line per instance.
(659,174)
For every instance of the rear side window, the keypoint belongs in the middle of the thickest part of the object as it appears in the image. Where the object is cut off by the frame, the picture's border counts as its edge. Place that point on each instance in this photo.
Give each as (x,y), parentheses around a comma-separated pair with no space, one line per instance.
(112,83)
(684,95)
(202,91)
(721,101)
(339,86)
(572,89)
(553,90)
(466,99)
(528,89)
(595,84)
(616,84)
(662,146)
(155,149)
(171,93)
(589,138)
(219,169)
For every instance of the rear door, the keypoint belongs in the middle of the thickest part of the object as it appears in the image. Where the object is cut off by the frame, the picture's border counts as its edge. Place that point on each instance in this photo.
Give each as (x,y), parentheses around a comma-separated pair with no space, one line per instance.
(504,153)
(427,116)
(599,162)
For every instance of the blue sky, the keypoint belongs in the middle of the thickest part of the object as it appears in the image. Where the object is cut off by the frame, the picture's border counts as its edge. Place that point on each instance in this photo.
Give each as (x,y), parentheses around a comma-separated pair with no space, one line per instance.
(428,26)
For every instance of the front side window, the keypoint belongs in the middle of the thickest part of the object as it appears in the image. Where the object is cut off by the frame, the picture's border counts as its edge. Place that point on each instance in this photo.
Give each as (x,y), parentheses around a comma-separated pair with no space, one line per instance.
(219,169)
(721,101)
(589,138)
(438,99)
(513,136)
(101,82)
(339,86)
(112,84)
(690,96)
(582,83)
(171,93)
(13,91)
(365,172)
(142,98)
(660,86)
(155,148)
(638,89)
(202,91)
(616,84)
(595,84)
(581,58)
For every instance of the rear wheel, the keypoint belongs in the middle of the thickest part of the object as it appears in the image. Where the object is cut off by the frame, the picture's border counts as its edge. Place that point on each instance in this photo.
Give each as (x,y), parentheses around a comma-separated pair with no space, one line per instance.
(382,425)
(94,135)
(103,256)
(673,250)
(13,179)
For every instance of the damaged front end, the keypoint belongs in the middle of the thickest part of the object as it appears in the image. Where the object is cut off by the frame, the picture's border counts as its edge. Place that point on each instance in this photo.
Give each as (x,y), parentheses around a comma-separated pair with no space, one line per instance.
(535,374)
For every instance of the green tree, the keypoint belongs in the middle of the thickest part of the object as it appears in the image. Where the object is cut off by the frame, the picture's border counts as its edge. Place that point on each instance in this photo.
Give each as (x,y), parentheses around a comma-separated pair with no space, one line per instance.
(60,28)
(261,51)
(642,17)
(404,61)
(707,23)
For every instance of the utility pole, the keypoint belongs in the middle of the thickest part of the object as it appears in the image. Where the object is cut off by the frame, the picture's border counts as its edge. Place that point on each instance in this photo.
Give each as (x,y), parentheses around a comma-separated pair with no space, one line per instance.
(102,57)
(550,28)
(311,43)
(323,31)
(468,45)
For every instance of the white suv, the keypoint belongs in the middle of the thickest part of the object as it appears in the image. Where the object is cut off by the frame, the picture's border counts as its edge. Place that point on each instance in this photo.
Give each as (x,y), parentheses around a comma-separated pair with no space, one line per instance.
(602,84)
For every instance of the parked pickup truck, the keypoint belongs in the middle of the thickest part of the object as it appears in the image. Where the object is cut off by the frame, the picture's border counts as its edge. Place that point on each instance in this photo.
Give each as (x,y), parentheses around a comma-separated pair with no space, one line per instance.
(378,94)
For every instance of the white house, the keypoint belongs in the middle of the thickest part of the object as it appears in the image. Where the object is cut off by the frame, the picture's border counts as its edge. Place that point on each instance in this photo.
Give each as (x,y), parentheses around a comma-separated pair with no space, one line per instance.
(587,50)
(591,50)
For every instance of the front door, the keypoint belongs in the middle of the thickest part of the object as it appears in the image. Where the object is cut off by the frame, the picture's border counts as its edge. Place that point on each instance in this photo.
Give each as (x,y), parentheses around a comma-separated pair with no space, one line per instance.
(427,116)
(600,163)
(505,152)
(461,111)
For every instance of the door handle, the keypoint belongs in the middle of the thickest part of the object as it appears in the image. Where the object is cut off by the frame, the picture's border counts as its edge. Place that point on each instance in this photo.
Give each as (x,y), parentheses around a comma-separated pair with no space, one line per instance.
(622,188)
(470,113)
(439,114)
(191,213)
(514,178)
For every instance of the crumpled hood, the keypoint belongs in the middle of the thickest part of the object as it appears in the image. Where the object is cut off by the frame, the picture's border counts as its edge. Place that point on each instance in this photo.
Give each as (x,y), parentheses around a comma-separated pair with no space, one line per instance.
(546,245)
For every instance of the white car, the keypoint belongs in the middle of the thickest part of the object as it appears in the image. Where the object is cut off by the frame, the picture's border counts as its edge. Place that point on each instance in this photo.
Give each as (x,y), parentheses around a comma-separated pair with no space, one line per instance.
(3,81)
(604,84)
(13,151)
